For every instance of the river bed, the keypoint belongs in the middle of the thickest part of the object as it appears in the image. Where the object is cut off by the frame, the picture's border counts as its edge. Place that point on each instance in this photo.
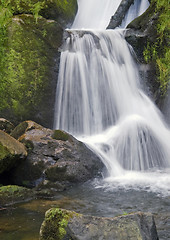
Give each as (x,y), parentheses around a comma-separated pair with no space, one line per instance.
(23,221)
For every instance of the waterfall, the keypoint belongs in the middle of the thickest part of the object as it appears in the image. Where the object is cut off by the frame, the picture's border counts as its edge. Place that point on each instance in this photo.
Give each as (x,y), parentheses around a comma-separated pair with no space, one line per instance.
(99,98)
(135,10)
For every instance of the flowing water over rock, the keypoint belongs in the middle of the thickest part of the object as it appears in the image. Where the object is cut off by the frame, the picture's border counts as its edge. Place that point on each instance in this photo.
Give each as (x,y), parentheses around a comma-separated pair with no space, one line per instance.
(100,101)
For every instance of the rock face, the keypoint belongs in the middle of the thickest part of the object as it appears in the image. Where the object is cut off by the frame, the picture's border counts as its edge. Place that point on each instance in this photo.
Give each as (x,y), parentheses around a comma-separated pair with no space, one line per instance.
(142,33)
(119,15)
(29,57)
(63,224)
(54,158)
(141,30)
(11,152)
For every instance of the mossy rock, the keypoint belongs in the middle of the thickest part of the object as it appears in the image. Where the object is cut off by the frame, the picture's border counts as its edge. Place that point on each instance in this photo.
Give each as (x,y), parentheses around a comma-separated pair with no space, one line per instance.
(23,127)
(55,224)
(6,125)
(61,10)
(11,152)
(27,89)
(11,194)
(60,135)
(149,35)
(63,224)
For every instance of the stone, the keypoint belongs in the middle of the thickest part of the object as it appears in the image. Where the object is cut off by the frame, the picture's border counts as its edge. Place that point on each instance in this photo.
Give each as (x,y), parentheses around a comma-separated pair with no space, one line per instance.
(54,157)
(119,15)
(12,152)
(12,194)
(6,125)
(63,224)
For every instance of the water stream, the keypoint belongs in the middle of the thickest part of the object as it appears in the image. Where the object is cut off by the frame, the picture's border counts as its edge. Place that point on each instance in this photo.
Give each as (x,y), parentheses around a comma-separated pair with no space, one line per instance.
(100,100)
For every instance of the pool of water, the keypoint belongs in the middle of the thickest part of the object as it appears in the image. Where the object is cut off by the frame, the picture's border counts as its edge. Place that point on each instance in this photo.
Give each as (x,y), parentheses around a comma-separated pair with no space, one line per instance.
(23,221)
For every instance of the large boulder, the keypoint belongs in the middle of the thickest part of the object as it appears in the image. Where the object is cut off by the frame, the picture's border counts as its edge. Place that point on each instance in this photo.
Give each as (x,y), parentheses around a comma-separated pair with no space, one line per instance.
(54,158)
(32,61)
(31,34)
(12,152)
(63,224)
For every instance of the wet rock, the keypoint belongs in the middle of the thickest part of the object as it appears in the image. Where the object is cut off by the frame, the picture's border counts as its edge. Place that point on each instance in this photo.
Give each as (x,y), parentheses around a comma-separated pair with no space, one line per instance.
(13,194)
(119,15)
(55,158)
(63,224)
(6,125)
(11,152)
(140,32)
(142,29)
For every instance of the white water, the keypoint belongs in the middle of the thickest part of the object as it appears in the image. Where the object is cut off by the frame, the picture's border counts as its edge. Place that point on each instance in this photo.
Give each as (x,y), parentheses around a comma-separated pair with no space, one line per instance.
(94,14)
(135,10)
(99,99)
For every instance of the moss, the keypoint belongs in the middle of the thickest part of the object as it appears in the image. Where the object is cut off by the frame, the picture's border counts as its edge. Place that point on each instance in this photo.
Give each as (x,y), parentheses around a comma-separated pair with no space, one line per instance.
(50,9)
(28,56)
(3,152)
(19,130)
(27,67)
(12,193)
(55,224)
(60,135)
(157,50)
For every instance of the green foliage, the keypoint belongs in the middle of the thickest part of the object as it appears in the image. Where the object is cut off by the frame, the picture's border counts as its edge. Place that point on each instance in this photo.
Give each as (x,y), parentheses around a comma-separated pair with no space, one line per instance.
(158,50)
(66,7)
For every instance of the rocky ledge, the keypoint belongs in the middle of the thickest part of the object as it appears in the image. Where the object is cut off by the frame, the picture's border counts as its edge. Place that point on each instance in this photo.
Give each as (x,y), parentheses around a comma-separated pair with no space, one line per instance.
(55,159)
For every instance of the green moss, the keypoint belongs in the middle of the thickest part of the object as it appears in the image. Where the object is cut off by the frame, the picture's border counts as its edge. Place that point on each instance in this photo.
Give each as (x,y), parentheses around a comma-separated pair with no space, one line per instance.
(12,193)
(157,50)
(60,135)
(28,50)
(3,151)
(27,64)
(11,189)
(56,222)
(19,130)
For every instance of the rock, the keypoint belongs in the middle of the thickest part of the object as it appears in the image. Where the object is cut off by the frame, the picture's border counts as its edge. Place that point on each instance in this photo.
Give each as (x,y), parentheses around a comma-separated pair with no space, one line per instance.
(13,194)
(141,32)
(11,152)
(55,158)
(63,224)
(6,125)
(59,10)
(33,48)
(142,29)
(119,15)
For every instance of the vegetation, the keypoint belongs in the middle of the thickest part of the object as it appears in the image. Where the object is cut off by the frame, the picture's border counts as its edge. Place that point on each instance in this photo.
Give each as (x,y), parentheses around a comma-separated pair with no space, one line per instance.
(28,48)
(11,194)
(60,135)
(56,221)
(158,50)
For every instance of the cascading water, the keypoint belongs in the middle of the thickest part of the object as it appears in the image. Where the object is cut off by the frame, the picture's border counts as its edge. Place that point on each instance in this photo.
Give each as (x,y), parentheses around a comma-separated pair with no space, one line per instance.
(99,99)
